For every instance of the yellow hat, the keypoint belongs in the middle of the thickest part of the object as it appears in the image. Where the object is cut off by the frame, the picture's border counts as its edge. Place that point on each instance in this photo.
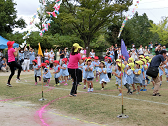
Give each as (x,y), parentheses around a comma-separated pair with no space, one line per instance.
(76,46)
(118,60)
(140,63)
(103,62)
(132,66)
(144,60)
(141,56)
(147,57)
(150,60)
(132,59)
(123,66)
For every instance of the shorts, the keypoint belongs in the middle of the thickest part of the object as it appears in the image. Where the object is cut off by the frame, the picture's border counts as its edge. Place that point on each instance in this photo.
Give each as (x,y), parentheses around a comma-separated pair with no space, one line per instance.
(109,75)
(90,79)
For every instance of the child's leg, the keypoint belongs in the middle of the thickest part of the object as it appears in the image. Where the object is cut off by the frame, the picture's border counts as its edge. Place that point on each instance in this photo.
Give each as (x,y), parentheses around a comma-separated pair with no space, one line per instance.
(65,78)
(35,78)
(97,75)
(160,80)
(102,85)
(133,86)
(91,84)
(88,82)
(138,88)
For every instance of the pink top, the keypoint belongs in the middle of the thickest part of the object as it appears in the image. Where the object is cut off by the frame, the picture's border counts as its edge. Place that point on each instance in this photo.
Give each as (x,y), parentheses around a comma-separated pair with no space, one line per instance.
(73,61)
(11,56)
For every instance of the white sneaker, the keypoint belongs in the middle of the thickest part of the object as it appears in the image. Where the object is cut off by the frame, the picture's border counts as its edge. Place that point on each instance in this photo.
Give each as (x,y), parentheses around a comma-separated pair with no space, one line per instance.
(17,80)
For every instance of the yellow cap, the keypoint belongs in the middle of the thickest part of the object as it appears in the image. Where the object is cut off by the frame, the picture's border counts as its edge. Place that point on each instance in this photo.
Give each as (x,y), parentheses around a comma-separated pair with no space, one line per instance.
(76,46)
(103,62)
(150,60)
(144,60)
(132,66)
(140,63)
(118,60)
(147,57)
(132,59)
(141,56)
(123,66)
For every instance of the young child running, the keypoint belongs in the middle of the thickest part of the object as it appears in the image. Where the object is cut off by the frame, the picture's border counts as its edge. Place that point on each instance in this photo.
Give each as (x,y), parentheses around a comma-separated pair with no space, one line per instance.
(103,74)
(46,74)
(90,74)
(116,70)
(144,67)
(161,72)
(130,76)
(166,68)
(137,78)
(56,72)
(65,72)
(109,68)
(118,75)
(37,71)
(84,73)
(47,64)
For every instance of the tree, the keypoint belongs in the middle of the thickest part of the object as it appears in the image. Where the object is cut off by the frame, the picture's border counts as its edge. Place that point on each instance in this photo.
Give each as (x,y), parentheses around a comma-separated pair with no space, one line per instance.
(87,17)
(8,17)
(162,30)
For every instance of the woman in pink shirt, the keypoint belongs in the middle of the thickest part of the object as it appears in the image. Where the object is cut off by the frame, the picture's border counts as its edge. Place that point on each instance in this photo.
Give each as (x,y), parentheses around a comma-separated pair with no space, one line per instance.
(12,53)
(73,67)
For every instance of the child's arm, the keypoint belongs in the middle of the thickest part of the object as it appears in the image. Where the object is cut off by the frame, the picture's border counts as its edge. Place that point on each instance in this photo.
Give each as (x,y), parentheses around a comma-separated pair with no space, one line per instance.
(90,68)
(116,74)
(137,73)
(162,69)
(143,75)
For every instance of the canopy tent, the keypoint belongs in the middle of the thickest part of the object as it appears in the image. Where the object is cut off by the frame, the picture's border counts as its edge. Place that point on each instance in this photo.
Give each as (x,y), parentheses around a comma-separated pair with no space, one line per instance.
(3,43)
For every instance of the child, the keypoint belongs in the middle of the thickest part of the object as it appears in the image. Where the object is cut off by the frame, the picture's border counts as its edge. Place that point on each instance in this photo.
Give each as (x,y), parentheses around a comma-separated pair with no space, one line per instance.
(84,74)
(109,68)
(118,75)
(116,70)
(56,72)
(47,64)
(96,65)
(131,60)
(130,76)
(64,68)
(144,67)
(137,78)
(103,74)
(80,66)
(90,74)
(147,64)
(161,72)
(37,71)
(46,74)
(166,69)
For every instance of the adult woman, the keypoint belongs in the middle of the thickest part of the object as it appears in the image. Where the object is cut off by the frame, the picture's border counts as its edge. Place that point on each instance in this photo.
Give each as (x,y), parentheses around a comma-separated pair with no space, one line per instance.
(51,56)
(26,58)
(158,49)
(92,53)
(134,54)
(141,50)
(57,55)
(146,51)
(32,57)
(73,68)
(46,55)
(12,53)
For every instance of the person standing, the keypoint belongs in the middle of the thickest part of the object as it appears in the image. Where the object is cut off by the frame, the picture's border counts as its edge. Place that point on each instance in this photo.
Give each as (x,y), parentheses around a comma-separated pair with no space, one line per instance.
(32,57)
(62,55)
(158,49)
(141,50)
(156,61)
(151,47)
(82,53)
(115,52)
(92,53)
(51,56)
(73,67)
(1,55)
(12,53)
(46,55)
(146,51)
(57,55)
(26,58)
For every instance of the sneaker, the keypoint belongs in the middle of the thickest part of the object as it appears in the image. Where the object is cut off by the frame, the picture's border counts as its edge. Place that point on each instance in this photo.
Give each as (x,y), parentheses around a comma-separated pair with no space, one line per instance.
(88,89)
(120,94)
(153,88)
(141,90)
(35,83)
(130,93)
(134,90)
(62,82)
(65,84)
(40,79)
(84,88)
(28,70)
(157,94)
(137,93)
(91,90)
(18,80)
(46,85)
(55,85)
(9,85)
(58,84)
(96,80)
(79,84)
(102,89)
(72,95)
(24,70)
(144,89)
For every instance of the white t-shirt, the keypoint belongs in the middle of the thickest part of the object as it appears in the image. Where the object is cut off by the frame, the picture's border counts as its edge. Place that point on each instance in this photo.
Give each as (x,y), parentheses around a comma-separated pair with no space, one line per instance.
(46,55)
(51,57)
(140,50)
(92,54)
(82,52)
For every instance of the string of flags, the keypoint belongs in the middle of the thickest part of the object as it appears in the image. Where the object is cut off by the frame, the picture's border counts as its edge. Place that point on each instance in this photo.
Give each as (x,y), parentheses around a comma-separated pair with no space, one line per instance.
(54,14)
(128,17)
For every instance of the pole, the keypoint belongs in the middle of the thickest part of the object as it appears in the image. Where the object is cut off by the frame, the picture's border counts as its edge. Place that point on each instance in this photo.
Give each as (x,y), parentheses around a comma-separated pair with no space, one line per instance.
(121,87)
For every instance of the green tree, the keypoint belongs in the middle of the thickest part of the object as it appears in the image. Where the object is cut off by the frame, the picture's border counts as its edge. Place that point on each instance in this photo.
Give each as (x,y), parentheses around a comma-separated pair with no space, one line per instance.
(87,17)
(8,16)
(162,30)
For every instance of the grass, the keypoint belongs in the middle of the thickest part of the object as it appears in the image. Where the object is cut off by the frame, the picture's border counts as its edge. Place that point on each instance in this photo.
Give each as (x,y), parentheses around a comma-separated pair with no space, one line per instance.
(94,107)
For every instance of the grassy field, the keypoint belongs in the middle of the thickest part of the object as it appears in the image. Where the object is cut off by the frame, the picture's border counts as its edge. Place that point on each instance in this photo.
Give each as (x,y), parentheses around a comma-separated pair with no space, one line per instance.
(100,106)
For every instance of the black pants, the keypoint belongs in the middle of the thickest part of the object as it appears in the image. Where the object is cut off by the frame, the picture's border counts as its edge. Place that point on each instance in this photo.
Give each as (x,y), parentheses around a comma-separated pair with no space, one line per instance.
(36,78)
(74,75)
(12,66)
(56,80)
(109,75)
(115,56)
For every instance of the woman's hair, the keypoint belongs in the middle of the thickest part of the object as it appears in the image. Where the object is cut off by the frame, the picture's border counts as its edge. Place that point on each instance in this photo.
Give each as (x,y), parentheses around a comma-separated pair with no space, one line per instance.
(72,51)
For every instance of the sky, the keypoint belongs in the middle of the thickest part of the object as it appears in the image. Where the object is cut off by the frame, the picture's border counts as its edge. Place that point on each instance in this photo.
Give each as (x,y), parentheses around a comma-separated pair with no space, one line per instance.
(155,10)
